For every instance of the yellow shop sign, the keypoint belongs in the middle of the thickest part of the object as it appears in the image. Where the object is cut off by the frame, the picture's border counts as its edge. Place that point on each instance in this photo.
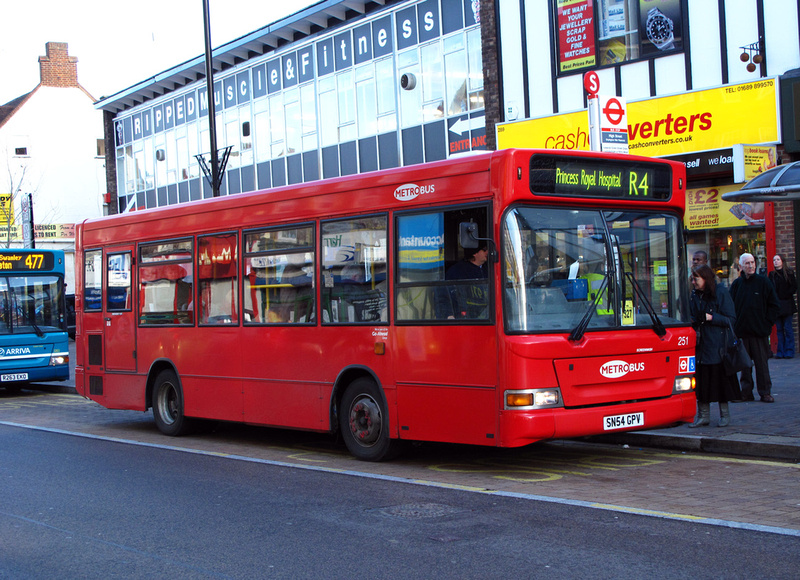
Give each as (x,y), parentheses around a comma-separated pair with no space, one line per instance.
(695,121)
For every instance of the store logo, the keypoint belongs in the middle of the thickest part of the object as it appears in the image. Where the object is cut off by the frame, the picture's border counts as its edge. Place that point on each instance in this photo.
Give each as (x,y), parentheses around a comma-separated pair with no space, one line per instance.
(619,368)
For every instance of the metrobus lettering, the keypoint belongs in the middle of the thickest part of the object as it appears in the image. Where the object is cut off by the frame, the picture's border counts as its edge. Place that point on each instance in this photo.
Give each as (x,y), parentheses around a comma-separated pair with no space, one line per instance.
(617,368)
(411,191)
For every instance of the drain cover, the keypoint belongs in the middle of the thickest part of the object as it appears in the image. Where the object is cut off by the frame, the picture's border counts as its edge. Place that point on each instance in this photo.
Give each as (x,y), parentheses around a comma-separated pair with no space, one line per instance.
(419,510)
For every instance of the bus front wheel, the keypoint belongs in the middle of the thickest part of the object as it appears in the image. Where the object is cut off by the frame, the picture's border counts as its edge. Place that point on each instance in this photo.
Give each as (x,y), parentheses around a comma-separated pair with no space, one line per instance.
(364,424)
(168,405)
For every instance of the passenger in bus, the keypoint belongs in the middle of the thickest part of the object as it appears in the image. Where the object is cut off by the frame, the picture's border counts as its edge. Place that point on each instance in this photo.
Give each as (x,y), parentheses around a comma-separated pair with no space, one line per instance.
(712,312)
(466,300)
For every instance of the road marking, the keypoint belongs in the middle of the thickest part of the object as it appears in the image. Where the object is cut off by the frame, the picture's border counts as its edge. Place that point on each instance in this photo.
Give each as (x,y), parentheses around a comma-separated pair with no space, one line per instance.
(428,483)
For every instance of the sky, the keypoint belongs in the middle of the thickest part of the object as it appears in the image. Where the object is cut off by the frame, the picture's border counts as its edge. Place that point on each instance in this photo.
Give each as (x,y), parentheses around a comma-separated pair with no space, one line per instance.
(119,44)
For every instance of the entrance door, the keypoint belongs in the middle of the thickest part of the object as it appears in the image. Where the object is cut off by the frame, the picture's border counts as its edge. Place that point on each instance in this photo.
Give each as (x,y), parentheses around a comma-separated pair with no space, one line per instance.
(119,328)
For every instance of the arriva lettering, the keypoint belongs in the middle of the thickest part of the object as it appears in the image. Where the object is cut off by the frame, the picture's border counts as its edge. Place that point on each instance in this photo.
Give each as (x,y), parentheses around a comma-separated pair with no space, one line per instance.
(14,351)
(619,368)
(411,191)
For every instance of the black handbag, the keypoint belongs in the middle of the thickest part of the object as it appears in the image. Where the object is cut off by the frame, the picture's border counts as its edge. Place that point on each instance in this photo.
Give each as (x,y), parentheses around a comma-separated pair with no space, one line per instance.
(735,357)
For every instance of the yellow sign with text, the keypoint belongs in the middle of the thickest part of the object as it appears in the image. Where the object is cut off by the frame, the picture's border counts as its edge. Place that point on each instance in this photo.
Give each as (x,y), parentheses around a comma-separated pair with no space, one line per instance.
(696,121)
(6,210)
(705,209)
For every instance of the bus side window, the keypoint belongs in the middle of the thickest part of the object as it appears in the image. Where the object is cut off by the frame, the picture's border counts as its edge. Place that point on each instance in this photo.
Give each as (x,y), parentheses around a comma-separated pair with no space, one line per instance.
(279,276)
(93,280)
(217,269)
(438,280)
(118,296)
(354,271)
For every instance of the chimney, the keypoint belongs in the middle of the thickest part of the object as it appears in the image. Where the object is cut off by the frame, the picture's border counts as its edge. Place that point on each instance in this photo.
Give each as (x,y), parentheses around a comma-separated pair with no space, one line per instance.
(58,68)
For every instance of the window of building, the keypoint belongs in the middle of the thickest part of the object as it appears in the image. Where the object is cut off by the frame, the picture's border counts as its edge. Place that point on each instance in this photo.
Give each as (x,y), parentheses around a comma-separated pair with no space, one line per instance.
(607,32)
(354,271)
(21,151)
(101,148)
(279,276)
(166,283)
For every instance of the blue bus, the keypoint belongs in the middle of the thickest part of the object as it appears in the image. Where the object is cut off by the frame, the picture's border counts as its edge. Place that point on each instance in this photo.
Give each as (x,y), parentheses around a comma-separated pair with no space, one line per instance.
(33,328)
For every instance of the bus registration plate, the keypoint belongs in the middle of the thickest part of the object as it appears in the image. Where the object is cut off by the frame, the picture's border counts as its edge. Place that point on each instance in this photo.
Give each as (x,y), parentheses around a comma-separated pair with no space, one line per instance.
(14,377)
(623,421)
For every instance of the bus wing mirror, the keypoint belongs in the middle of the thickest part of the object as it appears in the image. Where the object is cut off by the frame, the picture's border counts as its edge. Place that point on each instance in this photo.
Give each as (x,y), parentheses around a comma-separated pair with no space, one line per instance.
(468,234)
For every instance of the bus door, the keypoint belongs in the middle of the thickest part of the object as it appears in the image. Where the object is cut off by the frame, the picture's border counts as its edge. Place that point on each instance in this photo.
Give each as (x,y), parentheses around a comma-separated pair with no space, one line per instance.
(119,324)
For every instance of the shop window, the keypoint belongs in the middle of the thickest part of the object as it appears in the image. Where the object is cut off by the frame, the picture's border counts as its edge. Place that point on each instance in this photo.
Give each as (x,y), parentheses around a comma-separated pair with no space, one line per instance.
(605,32)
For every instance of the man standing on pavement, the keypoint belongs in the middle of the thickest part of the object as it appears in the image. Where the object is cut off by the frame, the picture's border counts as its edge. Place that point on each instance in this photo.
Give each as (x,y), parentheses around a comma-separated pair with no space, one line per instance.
(757,308)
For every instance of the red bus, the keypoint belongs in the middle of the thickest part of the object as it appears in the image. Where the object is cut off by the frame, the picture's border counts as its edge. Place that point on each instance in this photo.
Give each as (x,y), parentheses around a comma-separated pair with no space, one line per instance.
(498,299)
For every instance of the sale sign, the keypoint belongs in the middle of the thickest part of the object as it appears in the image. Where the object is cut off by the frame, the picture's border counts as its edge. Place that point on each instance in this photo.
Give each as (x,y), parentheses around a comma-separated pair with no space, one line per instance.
(575,19)
(706,210)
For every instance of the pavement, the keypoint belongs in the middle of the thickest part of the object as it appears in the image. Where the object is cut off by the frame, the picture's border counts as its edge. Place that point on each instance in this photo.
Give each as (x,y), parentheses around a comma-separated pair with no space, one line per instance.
(766,430)
(769,430)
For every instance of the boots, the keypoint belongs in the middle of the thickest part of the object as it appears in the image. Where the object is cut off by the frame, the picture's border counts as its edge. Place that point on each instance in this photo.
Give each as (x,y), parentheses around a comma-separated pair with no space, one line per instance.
(703,415)
(724,415)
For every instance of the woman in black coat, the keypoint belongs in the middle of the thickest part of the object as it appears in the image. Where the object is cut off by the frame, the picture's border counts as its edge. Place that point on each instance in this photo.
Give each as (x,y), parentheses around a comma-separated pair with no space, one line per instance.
(783,278)
(713,314)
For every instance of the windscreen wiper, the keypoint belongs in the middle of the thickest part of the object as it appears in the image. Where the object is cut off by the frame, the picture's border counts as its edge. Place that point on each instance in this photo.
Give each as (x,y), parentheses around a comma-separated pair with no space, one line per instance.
(658,326)
(578,332)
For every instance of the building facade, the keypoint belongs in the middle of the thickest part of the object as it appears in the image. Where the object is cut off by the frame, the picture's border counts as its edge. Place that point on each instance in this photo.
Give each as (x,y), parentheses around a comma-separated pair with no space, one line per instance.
(53,145)
(702,84)
(329,91)
(341,88)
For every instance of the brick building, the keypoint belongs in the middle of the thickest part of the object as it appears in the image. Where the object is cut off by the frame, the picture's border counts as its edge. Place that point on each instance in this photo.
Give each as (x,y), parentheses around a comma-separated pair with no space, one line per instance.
(51,139)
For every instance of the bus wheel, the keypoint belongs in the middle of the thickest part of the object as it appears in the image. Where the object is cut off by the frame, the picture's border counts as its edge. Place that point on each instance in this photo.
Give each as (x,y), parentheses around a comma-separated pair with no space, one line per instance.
(168,405)
(363,422)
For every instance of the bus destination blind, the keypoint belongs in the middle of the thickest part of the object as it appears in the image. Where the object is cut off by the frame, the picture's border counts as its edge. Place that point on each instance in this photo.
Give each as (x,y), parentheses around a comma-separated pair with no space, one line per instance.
(26,261)
(599,178)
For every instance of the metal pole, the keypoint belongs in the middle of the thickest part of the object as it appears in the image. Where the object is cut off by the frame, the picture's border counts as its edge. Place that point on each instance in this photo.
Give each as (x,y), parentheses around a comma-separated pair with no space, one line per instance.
(212,125)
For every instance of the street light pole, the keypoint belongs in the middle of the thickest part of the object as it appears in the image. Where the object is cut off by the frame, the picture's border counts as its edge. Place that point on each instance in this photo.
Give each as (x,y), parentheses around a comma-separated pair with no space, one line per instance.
(212,124)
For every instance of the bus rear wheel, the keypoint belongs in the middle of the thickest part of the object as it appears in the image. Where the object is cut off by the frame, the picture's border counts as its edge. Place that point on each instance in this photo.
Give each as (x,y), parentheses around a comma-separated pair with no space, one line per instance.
(364,423)
(168,405)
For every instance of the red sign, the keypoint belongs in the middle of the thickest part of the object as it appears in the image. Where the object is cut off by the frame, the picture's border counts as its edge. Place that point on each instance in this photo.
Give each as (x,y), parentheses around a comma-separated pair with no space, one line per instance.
(614,111)
(591,82)
(575,34)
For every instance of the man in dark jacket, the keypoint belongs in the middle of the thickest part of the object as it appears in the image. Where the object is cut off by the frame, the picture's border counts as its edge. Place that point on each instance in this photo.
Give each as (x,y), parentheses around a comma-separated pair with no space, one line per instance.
(757,309)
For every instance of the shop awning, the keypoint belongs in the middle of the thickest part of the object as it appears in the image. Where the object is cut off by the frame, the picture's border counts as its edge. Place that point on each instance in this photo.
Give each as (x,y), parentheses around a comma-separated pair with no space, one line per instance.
(781,183)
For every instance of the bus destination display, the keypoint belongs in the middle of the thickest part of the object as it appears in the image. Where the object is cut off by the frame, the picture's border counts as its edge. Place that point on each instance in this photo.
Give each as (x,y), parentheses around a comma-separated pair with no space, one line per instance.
(599,178)
(26,261)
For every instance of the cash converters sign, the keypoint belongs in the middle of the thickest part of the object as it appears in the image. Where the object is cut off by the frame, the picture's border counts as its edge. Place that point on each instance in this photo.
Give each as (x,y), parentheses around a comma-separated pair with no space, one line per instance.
(695,121)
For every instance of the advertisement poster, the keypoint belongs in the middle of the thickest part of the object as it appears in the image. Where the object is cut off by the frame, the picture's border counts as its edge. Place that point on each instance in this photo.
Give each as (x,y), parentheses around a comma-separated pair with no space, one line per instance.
(752,160)
(661,26)
(575,22)
(705,209)
(696,121)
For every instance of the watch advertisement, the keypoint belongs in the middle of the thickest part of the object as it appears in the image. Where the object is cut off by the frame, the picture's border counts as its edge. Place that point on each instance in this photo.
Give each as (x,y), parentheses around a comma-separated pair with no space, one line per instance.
(660,26)
(575,22)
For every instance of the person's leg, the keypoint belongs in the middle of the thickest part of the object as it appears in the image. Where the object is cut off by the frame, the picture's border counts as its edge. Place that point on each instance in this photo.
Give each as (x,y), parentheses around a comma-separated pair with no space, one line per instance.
(780,327)
(760,355)
(788,350)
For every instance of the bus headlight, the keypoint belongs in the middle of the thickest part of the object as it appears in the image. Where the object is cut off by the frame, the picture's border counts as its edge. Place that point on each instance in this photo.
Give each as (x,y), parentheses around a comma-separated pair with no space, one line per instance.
(533,399)
(683,384)
(59,359)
